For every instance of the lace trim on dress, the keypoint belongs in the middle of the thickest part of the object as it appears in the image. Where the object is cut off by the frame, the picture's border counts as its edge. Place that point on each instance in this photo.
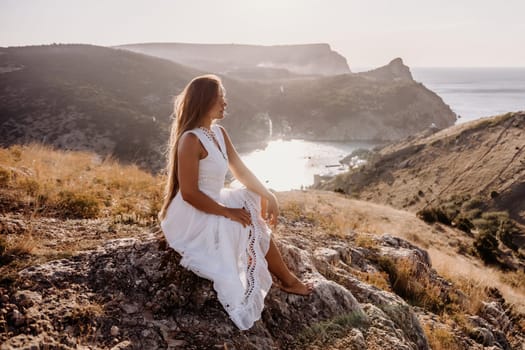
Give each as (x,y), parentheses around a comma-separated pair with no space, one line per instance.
(258,277)
(254,236)
(210,135)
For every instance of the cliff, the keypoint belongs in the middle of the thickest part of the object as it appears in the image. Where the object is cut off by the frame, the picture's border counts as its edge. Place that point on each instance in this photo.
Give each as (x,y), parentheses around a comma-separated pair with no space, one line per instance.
(383,105)
(250,61)
(395,70)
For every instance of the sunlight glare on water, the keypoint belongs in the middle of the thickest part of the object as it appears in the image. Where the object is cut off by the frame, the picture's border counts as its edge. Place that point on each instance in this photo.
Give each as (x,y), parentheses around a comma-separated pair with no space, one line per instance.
(291,164)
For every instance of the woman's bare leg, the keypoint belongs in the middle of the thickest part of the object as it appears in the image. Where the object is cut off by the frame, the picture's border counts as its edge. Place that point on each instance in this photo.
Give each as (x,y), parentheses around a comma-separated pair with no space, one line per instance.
(289,282)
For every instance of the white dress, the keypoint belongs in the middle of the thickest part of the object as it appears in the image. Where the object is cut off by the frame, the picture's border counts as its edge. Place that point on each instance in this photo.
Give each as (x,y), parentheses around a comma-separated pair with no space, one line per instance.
(217,248)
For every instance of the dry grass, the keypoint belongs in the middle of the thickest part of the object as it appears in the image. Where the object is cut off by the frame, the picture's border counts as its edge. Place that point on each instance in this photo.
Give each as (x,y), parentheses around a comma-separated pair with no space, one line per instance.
(366,241)
(322,215)
(467,273)
(66,184)
(20,244)
(14,246)
(39,184)
(473,278)
(515,279)
(414,287)
(318,209)
(360,216)
(84,319)
(440,338)
(378,279)
(324,333)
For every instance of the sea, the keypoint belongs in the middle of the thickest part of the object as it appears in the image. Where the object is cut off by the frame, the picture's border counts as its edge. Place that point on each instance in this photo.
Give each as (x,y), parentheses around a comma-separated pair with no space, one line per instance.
(471,93)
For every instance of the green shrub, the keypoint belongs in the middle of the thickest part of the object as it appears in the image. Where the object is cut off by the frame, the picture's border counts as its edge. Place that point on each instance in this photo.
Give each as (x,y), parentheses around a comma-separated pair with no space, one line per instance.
(427,215)
(464,224)
(473,203)
(507,230)
(486,245)
(473,213)
(325,332)
(498,224)
(432,215)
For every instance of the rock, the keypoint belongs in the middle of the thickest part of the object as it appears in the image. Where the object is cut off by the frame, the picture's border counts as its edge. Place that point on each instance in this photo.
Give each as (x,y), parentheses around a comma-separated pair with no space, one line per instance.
(494,314)
(130,308)
(124,345)
(177,343)
(483,336)
(27,298)
(174,308)
(29,342)
(330,255)
(395,70)
(17,318)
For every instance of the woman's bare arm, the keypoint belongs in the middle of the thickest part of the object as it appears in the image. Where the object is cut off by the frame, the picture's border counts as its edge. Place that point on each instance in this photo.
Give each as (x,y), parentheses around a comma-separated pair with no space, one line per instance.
(248,179)
(189,152)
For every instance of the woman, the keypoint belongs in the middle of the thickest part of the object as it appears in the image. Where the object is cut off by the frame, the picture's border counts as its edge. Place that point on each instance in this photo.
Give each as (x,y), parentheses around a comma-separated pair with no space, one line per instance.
(220,233)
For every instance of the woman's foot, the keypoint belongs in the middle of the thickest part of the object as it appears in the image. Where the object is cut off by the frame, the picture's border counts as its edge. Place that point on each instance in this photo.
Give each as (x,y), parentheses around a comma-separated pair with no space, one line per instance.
(298,287)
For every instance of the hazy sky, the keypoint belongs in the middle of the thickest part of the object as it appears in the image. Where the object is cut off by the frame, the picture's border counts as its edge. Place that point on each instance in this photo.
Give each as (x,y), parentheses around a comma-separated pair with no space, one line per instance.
(367,32)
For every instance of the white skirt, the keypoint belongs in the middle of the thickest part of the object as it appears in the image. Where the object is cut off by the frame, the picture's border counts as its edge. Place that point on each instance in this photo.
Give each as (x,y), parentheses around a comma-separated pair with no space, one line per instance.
(223,251)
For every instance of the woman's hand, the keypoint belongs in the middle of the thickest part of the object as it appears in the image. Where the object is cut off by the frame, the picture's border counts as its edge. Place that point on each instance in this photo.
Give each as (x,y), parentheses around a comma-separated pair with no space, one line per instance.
(272,210)
(240,215)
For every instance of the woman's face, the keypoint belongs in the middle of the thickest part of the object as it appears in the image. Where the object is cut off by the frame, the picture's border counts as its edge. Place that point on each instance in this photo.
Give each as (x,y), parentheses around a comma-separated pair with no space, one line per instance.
(217,110)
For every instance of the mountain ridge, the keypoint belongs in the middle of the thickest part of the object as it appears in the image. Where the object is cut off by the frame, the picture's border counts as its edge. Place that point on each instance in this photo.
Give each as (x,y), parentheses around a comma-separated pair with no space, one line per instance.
(119,103)
(302,59)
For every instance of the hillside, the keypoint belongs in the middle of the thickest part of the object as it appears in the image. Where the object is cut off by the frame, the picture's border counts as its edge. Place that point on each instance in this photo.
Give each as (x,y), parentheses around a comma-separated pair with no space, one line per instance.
(113,102)
(382,105)
(467,172)
(480,158)
(118,103)
(74,276)
(250,61)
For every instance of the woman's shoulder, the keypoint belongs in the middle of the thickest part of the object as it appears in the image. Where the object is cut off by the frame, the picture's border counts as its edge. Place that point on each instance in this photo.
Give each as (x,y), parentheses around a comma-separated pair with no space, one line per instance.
(220,128)
(189,136)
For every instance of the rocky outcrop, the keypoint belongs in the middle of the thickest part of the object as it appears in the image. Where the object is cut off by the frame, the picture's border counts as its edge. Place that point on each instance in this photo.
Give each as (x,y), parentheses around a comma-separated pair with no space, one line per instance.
(144,297)
(132,294)
(385,104)
(395,70)
(250,61)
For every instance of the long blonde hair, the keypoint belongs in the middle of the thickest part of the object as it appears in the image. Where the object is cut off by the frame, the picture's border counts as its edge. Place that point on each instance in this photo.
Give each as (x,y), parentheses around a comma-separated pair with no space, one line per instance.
(190,107)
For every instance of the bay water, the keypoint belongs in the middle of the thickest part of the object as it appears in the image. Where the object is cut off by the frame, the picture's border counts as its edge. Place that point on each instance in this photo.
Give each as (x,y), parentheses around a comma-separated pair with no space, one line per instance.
(471,93)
